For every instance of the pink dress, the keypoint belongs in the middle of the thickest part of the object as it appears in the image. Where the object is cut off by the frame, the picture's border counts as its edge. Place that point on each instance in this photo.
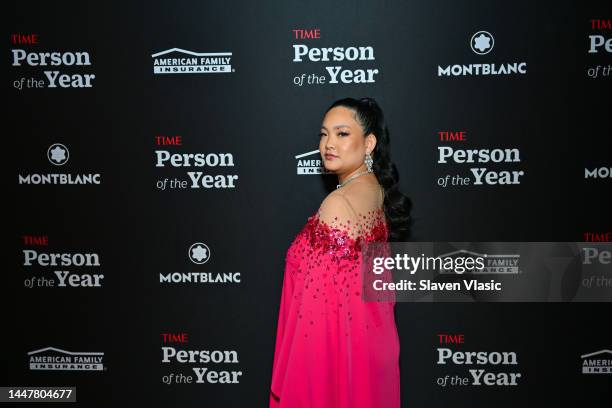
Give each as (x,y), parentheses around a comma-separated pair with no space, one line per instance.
(333,349)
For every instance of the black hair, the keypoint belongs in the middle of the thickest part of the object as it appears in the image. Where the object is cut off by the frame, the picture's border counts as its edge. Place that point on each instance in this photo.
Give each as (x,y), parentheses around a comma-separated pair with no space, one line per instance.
(397,206)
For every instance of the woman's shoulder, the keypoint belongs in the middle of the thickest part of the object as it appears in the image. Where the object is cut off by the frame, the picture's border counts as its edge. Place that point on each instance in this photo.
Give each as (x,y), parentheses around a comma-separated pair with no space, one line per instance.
(358,197)
(350,211)
(334,207)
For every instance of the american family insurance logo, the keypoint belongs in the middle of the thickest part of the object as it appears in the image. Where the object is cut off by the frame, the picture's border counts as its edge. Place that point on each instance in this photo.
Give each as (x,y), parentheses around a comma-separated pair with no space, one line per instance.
(51,358)
(599,362)
(310,163)
(179,61)
(490,264)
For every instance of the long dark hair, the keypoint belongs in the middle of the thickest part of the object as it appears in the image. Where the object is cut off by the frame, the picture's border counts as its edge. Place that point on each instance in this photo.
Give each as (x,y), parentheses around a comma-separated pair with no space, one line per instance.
(397,206)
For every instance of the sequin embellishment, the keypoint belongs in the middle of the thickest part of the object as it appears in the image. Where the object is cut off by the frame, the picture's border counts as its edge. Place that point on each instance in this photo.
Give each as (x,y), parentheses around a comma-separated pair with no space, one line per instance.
(343,240)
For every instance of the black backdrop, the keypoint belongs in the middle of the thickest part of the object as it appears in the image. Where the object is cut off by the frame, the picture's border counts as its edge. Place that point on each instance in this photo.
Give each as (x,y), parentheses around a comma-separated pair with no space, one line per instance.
(554,114)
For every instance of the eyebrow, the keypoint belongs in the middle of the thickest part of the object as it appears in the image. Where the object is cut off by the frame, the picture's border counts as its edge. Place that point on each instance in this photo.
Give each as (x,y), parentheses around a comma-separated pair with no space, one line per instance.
(337,127)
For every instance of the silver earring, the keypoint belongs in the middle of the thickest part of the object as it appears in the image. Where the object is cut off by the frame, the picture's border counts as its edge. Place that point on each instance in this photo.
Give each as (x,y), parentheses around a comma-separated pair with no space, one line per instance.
(368,162)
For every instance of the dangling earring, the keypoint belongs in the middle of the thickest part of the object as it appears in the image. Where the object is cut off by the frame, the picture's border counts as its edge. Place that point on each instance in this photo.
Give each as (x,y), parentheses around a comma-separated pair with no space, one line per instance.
(369,162)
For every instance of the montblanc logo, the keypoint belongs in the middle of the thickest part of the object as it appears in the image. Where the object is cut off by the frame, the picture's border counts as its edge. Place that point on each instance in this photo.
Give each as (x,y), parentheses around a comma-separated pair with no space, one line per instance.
(58,155)
(482,43)
(51,358)
(180,61)
(199,253)
(598,172)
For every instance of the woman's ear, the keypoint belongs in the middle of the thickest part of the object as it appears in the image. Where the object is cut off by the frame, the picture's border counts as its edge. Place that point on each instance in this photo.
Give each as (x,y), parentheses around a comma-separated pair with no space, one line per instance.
(370,142)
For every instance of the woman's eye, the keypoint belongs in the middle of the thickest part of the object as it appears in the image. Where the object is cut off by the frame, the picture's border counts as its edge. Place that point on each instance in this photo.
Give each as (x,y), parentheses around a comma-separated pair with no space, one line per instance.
(339,134)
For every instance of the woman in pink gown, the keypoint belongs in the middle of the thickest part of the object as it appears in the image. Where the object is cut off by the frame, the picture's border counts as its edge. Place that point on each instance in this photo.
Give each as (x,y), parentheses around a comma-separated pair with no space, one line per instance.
(337,346)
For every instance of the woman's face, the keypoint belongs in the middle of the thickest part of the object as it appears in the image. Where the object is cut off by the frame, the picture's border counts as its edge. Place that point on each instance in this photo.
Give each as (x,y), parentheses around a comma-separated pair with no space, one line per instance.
(343,145)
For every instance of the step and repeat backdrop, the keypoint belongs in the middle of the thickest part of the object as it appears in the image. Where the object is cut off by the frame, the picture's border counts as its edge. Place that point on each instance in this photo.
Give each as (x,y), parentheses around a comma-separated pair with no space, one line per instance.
(162,157)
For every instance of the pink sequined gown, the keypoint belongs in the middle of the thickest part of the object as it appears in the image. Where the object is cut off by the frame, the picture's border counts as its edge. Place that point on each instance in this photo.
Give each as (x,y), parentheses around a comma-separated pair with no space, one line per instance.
(333,349)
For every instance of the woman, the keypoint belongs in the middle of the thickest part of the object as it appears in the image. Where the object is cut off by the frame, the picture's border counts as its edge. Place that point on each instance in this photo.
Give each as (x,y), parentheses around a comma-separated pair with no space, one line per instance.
(333,348)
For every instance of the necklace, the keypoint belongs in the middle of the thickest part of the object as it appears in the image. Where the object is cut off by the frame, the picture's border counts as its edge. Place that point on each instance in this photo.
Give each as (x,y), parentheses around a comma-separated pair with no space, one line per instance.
(345,182)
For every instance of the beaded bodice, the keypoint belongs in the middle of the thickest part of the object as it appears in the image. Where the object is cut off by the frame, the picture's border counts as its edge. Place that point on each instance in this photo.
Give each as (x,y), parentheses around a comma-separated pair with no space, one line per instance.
(341,240)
